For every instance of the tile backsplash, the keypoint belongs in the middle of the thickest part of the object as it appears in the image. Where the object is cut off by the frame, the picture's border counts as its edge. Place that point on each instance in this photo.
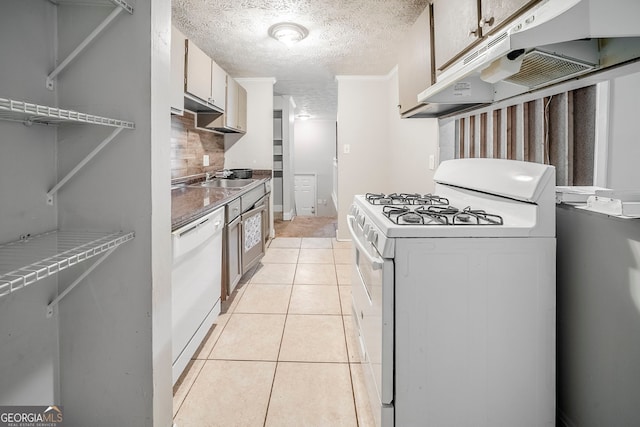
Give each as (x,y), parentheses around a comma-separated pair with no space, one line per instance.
(189,145)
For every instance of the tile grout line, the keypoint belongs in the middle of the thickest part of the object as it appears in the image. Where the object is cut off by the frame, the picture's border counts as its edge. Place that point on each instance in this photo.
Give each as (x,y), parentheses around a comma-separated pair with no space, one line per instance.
(189,389)
(275,371)
(344,331)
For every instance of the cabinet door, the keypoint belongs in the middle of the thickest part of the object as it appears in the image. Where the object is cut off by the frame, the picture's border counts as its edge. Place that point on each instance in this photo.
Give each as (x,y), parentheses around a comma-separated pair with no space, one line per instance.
(177,71)
(231,110)
(494,13)
(455,29)
(218,86)
(414,63)
(198,66)
(242,108)
(234,255)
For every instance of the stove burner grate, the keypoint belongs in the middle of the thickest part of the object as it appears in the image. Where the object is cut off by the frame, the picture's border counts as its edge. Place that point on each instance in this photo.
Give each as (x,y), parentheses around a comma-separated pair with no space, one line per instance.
(405,199)
(439,215)
(470,216)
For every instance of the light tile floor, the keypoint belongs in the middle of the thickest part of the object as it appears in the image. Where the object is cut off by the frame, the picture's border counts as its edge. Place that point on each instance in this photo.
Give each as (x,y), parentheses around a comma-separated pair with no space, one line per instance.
(284,351)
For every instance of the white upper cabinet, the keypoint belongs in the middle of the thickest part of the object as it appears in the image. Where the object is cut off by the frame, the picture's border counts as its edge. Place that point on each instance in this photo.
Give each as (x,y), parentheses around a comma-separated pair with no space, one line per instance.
(205,81)
(242,109)
(231,112)
(198,72)
(455,29)
(218,86)
(177,71)
(414,63)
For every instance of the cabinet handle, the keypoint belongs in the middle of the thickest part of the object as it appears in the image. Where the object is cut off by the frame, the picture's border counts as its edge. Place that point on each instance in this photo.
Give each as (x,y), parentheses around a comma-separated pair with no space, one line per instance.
(473,33)
(486,21)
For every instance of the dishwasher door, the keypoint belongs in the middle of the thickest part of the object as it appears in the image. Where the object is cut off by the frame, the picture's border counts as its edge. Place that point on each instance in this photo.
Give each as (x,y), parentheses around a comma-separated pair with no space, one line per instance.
(195,285)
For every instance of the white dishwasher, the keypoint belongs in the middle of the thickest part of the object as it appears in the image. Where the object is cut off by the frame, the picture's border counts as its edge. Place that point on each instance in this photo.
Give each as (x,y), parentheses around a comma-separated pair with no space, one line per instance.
(195,285)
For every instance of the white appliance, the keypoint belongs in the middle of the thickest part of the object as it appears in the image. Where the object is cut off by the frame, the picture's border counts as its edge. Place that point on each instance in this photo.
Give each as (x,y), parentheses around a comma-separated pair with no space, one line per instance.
(455,307)
(195,285)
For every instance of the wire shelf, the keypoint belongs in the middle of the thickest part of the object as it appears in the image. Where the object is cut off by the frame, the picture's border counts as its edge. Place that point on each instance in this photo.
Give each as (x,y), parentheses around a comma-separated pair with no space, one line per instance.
(26,261)
(34,113)
(119,3)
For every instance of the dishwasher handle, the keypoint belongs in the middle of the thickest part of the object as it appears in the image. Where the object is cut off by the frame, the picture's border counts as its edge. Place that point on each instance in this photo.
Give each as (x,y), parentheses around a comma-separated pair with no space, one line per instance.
(196,233)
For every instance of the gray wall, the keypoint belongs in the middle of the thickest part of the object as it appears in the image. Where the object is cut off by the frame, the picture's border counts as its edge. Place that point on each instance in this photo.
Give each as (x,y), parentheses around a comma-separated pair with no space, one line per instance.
(598,313)
(315,150)
(115,327)
(624,142)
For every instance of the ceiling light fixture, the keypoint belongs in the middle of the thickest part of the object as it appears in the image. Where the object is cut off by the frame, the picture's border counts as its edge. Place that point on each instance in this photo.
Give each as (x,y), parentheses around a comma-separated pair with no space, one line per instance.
(288,33)
(303,116)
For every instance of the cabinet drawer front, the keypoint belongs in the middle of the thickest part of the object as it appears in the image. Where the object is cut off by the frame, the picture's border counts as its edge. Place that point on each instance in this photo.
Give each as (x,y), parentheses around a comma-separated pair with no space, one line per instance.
(234,209)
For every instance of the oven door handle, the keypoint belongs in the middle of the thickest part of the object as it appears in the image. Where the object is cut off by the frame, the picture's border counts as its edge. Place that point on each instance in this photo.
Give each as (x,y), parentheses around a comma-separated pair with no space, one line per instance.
(376,262)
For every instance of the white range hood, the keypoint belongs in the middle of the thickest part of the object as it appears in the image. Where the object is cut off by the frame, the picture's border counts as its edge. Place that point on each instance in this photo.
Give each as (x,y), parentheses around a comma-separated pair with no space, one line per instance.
(555,41)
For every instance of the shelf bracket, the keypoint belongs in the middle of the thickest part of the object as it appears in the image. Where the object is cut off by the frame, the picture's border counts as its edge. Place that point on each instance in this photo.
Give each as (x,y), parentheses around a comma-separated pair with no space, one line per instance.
(116,11)
(69,288)
(80,165)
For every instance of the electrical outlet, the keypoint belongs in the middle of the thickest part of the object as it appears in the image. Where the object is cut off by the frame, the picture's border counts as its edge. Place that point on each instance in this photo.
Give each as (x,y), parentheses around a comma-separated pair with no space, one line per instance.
(346,149)
(432,162)
(205,160)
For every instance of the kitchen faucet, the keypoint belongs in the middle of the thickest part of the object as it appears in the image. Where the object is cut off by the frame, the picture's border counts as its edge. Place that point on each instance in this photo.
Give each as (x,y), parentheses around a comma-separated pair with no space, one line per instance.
(224,173)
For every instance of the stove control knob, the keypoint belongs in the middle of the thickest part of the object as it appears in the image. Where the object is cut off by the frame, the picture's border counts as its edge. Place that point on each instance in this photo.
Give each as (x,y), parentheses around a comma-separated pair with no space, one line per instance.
(366,229)
(360,219)
(372,236)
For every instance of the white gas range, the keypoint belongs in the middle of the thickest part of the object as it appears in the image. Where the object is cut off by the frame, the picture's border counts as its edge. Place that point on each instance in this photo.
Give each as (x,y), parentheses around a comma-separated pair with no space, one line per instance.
(454,297)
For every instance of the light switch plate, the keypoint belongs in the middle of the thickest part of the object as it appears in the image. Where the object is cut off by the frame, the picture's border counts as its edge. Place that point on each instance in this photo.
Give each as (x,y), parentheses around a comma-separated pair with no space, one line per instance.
(432,162)
(205,160)
(346,149)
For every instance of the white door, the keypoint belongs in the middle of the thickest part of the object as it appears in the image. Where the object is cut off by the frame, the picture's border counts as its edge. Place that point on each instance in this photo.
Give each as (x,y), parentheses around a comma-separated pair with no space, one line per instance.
(305,194)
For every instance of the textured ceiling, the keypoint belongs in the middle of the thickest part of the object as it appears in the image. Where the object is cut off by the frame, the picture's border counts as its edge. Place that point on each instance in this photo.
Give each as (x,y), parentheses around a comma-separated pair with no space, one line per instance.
(346,37)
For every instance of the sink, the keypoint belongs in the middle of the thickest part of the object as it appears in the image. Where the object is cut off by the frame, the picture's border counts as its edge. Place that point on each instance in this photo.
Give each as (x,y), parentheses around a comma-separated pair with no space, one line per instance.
(227,183)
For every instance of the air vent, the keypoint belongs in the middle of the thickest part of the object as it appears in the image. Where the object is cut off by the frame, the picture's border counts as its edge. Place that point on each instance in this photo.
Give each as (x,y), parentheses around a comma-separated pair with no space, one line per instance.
(473,55)
(484,49)
(497,40)
(542,68)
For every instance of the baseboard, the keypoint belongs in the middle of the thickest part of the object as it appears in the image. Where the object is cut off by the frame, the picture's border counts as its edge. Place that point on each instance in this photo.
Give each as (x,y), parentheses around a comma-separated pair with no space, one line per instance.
(277,208)
(288,216)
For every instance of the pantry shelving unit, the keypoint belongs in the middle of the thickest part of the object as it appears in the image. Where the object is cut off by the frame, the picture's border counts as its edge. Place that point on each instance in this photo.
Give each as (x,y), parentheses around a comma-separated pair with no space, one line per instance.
(120,6)
(33,258)
(76,303)
(29,113)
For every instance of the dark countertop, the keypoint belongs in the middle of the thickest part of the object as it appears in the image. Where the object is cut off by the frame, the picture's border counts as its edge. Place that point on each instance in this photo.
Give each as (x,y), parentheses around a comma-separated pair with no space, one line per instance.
(191,203)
